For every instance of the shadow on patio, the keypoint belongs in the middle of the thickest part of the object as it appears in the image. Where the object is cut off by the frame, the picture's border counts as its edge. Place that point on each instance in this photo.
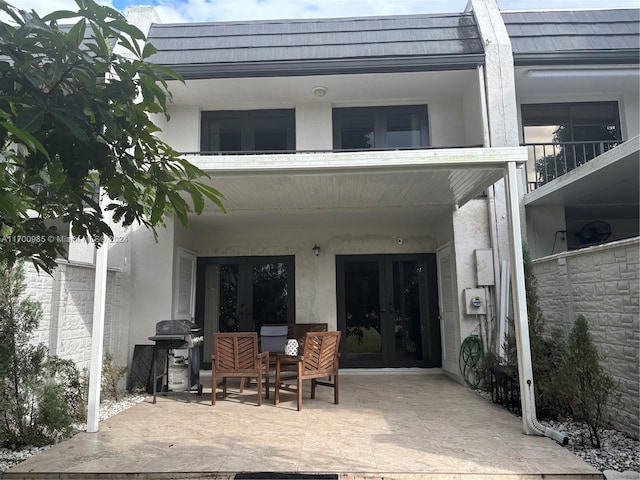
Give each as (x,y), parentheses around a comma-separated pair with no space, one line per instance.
(391,426)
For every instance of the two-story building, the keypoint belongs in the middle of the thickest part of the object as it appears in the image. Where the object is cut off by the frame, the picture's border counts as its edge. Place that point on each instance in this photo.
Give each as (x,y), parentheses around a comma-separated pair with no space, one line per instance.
(378,174)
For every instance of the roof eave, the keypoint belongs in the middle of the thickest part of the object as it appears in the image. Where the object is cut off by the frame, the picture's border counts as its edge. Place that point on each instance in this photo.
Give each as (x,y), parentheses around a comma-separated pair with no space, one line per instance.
(195,71)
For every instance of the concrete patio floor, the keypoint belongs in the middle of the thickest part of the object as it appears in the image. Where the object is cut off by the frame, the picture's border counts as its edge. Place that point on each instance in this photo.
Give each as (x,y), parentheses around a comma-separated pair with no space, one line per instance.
(387,426)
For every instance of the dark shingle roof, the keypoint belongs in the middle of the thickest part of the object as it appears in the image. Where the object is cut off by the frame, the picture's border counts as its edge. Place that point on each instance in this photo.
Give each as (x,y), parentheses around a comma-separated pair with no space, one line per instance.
(583,36)
(319,46)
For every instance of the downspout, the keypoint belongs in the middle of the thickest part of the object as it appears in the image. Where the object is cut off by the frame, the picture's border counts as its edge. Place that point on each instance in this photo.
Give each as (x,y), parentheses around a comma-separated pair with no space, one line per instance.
(523,346)
(501,114)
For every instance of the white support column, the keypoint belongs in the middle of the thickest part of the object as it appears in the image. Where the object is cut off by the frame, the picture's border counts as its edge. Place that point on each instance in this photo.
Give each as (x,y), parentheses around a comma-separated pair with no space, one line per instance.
(525,369)
(97,337)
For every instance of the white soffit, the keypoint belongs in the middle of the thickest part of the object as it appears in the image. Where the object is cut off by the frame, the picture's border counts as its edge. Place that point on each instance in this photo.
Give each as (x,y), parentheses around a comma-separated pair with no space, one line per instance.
(356,180)
(610,179)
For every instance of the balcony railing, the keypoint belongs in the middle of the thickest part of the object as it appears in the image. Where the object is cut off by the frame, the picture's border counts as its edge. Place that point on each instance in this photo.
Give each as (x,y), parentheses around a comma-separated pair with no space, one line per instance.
(340,150)
(548,161)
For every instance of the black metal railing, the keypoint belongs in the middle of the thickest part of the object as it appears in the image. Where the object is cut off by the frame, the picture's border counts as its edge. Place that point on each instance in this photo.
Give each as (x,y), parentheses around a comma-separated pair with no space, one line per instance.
(548,161)
(341,150)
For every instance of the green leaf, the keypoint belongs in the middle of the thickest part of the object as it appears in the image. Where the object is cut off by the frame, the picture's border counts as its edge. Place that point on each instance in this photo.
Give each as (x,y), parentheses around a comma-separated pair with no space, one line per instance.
(59,15)
(158,209)
(71,124)
(56,172)
(72,96)
(76,34)
(25,137)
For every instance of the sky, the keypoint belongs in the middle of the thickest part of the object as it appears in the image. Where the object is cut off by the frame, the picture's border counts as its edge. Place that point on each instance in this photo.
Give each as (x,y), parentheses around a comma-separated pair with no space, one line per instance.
(176,11)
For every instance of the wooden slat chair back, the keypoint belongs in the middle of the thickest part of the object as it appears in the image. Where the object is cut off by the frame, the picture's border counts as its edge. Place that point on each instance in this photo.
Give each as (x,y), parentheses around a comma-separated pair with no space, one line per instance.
(300,330)
(237,355)
(318,363)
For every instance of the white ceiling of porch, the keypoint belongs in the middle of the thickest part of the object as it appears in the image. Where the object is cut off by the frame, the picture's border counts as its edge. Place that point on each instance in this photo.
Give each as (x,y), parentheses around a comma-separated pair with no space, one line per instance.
(409,183)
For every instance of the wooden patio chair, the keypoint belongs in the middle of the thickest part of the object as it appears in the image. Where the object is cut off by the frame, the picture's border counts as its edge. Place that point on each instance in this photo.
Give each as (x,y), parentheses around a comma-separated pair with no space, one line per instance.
(272,340)
(318,363)
(237,355)
(299,330)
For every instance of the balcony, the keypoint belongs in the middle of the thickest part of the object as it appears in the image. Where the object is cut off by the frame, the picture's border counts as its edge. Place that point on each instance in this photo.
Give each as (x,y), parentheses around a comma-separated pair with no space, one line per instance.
(548,161)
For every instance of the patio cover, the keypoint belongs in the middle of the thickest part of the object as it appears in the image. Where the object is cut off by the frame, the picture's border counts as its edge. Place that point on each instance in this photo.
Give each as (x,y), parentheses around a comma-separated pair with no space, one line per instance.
(307,182)
(354,180)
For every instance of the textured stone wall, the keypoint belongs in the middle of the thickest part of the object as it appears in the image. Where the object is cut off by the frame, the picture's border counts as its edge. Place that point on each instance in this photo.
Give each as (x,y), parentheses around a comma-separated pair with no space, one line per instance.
(67,304)
(602,283)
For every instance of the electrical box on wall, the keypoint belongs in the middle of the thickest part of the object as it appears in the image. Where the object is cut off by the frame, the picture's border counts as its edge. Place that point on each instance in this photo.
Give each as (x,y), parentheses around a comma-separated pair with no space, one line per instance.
(475,301)
(484,267)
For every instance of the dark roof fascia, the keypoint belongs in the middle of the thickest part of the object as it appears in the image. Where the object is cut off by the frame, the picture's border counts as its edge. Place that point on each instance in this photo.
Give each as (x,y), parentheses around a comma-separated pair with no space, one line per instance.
(329,67)
(591,57)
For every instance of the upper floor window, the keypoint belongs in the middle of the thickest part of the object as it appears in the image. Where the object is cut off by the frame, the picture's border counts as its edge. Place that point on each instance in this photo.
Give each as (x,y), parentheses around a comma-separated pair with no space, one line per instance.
(570,122)
(248,130)
(380,127)
(563,136)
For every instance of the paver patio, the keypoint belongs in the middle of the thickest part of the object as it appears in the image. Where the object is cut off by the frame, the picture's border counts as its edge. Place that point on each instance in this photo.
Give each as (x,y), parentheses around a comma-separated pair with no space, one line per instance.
(391,426)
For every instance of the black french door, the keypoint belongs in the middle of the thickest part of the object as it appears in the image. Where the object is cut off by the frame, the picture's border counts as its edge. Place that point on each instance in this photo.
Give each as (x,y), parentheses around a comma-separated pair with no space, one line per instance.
(240,294)
(387,310)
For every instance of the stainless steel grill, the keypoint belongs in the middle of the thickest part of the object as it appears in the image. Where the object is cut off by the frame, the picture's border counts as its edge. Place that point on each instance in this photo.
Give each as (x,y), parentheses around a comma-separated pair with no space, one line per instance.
(178,335)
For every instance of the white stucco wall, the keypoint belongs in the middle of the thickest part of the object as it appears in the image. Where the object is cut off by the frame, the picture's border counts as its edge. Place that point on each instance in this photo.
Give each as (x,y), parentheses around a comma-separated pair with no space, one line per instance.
(182,131)
(446,122)
(151,282)
(472,108)
(470,233)
(544,225)
(314,130)
(316,276)
(630,113)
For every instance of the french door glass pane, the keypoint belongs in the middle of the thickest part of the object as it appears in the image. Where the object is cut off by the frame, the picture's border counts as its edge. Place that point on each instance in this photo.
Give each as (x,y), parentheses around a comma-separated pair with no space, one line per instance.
(228,318)
(269,294)
(362,306)
(407,284)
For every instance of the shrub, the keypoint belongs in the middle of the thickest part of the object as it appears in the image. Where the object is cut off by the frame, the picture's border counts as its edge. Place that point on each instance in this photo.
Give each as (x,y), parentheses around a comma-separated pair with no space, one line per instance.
(546,349)
(111,377)
(589,390)
(33,407)
(74,386)
(484,369)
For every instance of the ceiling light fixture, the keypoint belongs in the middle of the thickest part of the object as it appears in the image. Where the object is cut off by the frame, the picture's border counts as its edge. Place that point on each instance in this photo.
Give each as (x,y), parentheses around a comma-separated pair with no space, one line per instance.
(319,91)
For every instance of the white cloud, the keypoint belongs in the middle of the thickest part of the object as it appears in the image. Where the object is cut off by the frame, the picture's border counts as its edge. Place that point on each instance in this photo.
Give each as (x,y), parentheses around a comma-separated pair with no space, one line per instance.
(225,10)
(175,11)
(42,7)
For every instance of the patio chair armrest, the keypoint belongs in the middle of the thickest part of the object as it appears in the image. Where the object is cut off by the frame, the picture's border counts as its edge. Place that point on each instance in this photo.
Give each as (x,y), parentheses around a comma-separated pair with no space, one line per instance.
(264,357)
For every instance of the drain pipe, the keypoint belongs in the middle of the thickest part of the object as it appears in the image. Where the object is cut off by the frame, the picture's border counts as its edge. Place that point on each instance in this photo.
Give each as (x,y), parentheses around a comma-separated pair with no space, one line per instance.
(525,369)
(559,437)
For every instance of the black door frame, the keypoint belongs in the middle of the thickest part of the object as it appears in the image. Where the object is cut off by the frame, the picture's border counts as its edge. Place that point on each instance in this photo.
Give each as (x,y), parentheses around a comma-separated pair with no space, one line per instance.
(430,324)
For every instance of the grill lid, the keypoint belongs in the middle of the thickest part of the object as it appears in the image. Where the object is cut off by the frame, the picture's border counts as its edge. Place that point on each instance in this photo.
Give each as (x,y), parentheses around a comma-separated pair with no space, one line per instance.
(177,327)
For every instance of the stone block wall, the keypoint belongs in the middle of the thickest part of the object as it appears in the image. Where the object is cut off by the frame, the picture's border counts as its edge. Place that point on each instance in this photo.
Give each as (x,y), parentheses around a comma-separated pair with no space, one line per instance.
(603,284)
(67,304)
